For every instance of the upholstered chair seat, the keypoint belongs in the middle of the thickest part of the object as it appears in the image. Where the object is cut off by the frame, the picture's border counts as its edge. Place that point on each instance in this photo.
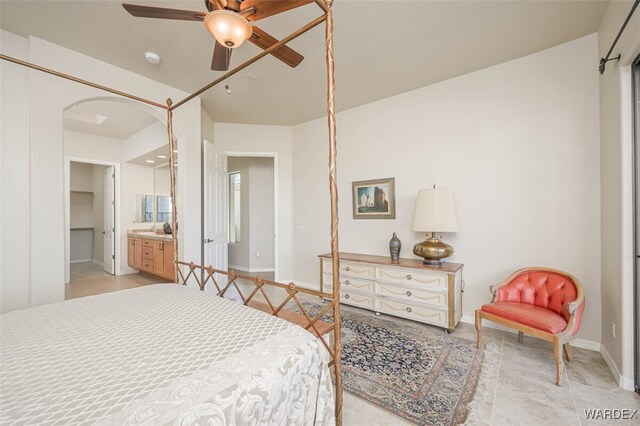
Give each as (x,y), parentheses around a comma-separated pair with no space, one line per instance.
(543,302)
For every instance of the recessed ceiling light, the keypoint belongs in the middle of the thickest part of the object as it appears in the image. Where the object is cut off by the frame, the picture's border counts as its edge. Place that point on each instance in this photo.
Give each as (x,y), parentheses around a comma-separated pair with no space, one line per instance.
(149,161)
(175,151)
(152,57)
(162,156)
(251,77)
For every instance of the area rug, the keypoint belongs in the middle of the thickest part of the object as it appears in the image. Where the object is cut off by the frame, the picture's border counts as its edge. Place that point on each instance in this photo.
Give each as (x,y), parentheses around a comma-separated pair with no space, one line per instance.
(426,377)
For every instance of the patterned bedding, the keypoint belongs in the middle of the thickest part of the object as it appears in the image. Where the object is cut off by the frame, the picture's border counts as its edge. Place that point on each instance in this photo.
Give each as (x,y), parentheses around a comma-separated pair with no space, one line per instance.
(160,354)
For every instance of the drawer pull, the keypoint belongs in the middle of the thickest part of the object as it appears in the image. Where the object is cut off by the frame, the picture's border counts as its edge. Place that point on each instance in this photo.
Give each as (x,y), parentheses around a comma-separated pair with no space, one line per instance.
(347,282)
(346,296)
(347,269)
(408,309)
(409,293)
(409,277)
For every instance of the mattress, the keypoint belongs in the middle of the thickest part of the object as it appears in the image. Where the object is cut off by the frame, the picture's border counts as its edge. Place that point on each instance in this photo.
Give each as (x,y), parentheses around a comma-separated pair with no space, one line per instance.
(160,354)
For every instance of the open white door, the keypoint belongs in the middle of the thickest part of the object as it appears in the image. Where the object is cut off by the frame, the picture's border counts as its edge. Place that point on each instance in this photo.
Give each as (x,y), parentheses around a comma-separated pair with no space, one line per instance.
(108,232)
(215,236)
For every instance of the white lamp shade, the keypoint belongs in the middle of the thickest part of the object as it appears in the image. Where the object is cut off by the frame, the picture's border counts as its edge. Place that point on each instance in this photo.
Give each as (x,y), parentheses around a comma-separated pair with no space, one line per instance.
(229,28)
(435,211)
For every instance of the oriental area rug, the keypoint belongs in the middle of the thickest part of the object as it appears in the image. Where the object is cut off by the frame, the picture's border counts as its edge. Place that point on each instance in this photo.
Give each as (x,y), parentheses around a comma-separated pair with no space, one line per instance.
(418,373)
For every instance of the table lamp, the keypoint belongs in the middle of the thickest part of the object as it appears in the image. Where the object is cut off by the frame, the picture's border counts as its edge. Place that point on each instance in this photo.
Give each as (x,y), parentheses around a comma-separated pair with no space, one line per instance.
(435,212)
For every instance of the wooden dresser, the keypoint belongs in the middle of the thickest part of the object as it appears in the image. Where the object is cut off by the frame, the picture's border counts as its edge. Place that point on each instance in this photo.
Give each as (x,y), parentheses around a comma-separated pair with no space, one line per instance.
(407,288)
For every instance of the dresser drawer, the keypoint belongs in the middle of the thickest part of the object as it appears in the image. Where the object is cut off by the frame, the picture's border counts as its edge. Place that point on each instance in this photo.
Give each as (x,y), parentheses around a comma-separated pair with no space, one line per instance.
(147,243)
(348,284)
(417,313)
(411,294)
(147,252)
(351,269)
(147,265)
(359,300)
(408,276)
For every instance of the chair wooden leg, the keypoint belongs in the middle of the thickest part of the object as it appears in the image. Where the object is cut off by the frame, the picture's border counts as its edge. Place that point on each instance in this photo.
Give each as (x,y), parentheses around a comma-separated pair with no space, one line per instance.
(557,354)
(520,337)
(479,328)
(567,352)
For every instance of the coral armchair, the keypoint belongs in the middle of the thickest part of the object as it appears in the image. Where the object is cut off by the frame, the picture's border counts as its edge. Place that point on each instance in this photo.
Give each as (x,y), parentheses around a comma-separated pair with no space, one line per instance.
(543,302)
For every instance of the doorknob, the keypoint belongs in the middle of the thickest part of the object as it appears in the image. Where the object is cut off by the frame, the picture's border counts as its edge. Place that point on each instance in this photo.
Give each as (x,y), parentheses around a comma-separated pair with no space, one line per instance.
(207,240)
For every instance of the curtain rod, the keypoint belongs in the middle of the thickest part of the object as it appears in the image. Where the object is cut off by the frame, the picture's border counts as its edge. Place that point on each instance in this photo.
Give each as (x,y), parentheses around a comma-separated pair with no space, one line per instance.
(603,61)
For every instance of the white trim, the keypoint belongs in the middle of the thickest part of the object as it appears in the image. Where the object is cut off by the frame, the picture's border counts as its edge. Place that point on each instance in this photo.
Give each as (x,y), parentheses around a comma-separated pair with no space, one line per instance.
(624,382)
(81,261)
(67,206)
(245,269)
(276,197)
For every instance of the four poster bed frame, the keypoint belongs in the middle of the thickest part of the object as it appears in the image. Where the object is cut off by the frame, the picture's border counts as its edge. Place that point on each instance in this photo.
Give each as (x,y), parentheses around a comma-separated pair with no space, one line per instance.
(203,275)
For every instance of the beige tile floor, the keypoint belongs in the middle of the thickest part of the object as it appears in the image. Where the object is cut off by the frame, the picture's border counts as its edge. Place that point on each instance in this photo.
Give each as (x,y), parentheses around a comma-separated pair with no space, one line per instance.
(516,387)
(88,279)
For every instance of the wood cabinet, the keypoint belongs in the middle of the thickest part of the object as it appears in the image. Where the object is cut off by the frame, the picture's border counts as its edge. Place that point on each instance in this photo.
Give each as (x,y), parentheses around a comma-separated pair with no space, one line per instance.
(407,288)
(152,256)
(134,253)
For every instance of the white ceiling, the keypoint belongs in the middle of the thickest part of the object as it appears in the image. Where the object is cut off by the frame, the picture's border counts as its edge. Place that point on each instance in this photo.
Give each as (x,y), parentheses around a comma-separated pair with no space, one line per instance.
(163,151)
(121,122)
(382,48)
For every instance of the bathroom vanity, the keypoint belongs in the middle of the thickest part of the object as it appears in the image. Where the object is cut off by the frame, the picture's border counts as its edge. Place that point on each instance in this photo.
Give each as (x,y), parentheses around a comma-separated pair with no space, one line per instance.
(151,253)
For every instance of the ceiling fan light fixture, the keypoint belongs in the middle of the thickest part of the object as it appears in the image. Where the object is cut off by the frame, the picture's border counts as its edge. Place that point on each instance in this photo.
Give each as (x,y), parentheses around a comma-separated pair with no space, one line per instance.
(229,28)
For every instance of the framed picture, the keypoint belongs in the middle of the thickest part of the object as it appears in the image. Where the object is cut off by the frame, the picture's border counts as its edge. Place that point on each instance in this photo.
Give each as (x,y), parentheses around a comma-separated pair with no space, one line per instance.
(374,199)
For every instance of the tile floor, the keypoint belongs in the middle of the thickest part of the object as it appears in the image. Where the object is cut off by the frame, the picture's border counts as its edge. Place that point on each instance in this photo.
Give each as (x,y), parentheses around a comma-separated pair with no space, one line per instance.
(517,383)
(88,279)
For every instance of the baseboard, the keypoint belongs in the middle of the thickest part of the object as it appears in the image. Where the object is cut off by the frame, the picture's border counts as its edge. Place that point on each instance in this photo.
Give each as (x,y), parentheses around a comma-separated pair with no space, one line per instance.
(625,383)
(262,270)
(578,343)
(97,262)
(81,261)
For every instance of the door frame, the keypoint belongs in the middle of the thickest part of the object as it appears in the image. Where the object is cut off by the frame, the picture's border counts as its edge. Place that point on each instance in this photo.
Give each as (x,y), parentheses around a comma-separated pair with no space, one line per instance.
(67,211)
(276,197)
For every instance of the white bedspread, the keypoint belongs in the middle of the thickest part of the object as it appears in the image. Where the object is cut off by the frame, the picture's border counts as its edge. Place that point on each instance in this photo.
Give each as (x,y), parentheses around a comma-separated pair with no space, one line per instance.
(160,354)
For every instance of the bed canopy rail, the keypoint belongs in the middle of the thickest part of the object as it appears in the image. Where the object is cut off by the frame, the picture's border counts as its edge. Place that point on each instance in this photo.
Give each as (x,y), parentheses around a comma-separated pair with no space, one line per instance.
(313,323)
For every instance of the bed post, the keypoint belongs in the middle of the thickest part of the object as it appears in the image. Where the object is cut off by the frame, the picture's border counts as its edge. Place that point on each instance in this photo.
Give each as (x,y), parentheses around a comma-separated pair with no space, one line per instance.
(172,184)
(333,190)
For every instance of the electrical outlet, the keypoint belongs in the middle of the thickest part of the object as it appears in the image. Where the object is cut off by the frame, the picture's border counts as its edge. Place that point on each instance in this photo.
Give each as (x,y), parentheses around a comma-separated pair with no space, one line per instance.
(613,329)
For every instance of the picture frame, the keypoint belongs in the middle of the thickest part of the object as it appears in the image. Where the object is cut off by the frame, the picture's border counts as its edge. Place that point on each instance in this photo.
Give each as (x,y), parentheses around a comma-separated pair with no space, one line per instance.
(374,199)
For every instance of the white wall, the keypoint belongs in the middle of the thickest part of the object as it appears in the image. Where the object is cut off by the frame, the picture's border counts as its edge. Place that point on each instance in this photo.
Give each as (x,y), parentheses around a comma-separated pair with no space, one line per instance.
(616,142)
(15,200)
(517,144)
(268,140)
(36,121)
(146,140)
(255,252)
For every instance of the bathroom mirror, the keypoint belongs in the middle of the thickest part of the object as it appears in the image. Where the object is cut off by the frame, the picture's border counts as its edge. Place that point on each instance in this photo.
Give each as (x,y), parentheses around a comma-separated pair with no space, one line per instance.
(162,191)
(143,208)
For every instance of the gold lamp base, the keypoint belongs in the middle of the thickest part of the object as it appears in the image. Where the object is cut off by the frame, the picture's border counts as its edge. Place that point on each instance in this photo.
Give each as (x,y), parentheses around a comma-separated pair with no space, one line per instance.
(433,251)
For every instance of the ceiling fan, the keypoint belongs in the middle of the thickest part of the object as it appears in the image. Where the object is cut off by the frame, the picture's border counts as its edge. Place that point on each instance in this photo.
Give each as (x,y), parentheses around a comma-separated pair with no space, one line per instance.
(230,23)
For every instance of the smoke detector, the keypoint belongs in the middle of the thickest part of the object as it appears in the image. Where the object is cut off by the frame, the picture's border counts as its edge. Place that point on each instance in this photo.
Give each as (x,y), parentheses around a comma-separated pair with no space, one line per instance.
(152,57)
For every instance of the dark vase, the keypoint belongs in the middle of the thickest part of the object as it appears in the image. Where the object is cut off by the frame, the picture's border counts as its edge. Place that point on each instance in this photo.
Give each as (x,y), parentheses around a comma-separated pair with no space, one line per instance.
(394,247)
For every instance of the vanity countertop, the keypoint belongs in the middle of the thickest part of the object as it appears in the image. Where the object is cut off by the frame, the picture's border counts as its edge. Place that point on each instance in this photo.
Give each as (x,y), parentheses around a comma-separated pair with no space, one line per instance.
(151,235)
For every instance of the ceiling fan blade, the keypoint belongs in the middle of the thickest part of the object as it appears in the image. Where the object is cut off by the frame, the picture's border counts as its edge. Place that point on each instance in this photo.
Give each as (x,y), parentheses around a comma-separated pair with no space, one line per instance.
(163,13)
(265,8)
(221,58)
(264,40)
